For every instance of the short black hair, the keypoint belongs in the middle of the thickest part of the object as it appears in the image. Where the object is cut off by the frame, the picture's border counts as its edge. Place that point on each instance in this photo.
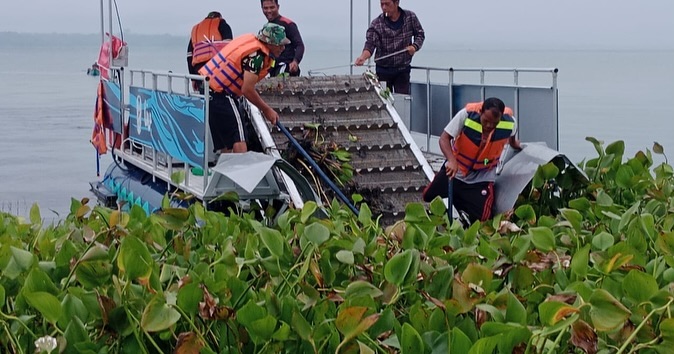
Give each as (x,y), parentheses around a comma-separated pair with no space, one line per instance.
(262,1)
(493,103)
(214,14)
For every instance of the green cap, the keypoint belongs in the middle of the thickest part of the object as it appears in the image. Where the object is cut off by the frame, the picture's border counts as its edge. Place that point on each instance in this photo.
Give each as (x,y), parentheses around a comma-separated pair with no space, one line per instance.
(273,34)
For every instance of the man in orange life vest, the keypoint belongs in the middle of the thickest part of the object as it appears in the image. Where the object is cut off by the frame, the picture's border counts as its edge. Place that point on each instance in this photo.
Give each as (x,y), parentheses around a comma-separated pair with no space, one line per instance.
(289,60)
(233,73)
(206,39)
(472,143)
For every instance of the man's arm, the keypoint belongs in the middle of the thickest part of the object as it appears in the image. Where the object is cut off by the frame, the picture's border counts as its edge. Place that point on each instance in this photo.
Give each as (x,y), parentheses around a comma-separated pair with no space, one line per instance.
(515,143)
(452,166)
(293,33)
(190,67)
(225,30)
(249,92)
(419,35)
(365,55)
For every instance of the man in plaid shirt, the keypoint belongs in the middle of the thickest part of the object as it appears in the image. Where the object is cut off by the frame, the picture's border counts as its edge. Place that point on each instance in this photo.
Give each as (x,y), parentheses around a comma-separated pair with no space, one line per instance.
(395,30)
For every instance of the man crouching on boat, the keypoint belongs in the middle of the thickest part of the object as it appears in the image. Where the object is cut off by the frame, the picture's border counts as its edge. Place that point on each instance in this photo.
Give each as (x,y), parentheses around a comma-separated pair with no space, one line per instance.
(233,73)
(472,143)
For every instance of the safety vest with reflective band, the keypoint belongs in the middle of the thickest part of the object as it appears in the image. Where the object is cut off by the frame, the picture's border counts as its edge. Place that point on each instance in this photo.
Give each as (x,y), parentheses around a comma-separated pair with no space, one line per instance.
(466,148)
(206,40)
(225,70)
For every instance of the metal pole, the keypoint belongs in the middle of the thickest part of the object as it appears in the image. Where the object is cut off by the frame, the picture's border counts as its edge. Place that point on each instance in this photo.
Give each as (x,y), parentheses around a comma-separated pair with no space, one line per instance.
(110,39)
(555,99)
(102,24)
(351,38)
(317,168)
(428,110)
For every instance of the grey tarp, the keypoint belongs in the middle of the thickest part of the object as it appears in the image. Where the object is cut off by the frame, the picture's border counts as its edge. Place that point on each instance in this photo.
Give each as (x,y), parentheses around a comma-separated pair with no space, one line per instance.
(519,168)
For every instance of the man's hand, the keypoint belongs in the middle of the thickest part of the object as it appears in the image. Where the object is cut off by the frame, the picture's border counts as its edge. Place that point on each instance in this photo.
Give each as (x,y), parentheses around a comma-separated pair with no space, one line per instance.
(411,49)
(451,167)
(271,115)
(293,67)
(359,61)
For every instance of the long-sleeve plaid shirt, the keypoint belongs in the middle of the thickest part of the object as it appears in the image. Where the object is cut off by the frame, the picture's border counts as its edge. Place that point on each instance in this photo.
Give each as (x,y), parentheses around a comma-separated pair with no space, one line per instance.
(382,39)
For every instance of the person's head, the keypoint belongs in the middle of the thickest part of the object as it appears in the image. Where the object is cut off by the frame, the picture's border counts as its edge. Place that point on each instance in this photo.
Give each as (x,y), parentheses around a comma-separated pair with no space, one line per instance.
(274,36)
(491,113)
(389,6)
(270,9)
(214,14)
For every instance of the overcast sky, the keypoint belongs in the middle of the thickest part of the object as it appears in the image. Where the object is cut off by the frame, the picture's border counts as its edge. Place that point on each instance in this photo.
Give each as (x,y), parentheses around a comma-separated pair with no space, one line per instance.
(586,23)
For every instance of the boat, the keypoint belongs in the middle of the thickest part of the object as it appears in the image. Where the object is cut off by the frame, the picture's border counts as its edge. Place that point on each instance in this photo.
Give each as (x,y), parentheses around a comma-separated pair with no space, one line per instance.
(156,130)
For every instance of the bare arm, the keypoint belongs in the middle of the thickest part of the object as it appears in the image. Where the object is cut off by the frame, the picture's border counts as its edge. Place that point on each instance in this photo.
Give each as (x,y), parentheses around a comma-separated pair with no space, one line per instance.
(249,92)
(452,166)
(515,143)
(363,57)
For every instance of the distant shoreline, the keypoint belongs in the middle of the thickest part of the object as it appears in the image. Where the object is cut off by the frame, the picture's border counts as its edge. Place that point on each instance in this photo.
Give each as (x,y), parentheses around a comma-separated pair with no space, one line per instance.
(8,38)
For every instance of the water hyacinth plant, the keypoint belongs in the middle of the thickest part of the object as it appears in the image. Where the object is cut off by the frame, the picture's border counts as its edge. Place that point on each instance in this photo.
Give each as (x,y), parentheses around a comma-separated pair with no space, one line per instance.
(594,276)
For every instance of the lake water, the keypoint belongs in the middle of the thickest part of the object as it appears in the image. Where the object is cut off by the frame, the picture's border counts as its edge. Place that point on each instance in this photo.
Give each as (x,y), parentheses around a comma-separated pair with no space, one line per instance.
(47,104)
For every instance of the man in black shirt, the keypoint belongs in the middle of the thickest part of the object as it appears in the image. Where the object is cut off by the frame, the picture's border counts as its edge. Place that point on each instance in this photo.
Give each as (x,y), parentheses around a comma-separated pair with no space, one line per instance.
(289,60)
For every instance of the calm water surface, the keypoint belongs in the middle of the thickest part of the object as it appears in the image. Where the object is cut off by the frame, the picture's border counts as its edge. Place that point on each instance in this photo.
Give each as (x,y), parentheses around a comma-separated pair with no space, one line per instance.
(46,107)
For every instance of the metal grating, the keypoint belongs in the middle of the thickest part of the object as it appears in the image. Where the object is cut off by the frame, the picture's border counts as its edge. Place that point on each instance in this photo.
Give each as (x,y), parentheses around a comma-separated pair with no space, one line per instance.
(348,111)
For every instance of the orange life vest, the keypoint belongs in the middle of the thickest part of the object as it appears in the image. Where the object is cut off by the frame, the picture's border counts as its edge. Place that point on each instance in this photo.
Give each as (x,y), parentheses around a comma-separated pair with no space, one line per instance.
(466,148)
(225,70)
(206,40)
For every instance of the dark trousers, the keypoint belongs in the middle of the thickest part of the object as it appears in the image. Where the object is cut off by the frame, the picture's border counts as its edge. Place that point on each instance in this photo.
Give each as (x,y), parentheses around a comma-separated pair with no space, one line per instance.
(474,199)
(397,79)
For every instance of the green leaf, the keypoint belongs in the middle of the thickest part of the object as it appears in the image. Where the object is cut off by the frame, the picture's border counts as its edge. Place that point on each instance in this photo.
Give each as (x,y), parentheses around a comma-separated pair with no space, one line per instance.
(597,145)
(477,274)
(580,204)
(459,341)
(624,176)
(579,262)
(38,280)
(273,240)
(573,217)
(639,286)
(72,307)
(657,148)
(526,212)
(515,312)
(47,304)
(263,328)
(603,241)
(485,345)
(345,256)
(365,214)
(308,210)
(551,312)
(438,207)
(397,268)
(35,217)
(3,294)
(23,259)
(607,313)
(317,233)
(158,315)
(301,326)
(250,313)
(604,199)
(667,330)
(189,297)
(92,274)
(543,238)
(134,259)
(411,341)
(362,288)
